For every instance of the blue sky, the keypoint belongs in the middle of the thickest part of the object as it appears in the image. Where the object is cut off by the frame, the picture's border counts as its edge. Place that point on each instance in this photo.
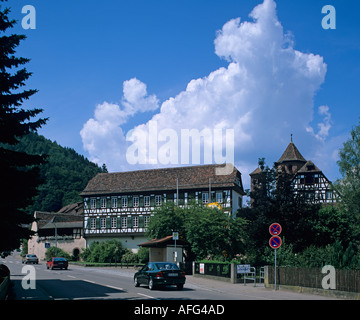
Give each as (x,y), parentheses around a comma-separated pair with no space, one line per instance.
(104,68)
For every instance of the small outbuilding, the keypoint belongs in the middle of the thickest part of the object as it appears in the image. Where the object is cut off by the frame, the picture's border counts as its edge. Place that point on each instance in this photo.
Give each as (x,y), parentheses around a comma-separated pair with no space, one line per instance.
(165,249)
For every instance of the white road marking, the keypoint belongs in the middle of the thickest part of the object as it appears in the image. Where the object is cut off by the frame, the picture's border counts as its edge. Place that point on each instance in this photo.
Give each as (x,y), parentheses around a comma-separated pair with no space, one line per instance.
(112,287)
(89,281)
(145,295)
(101,284)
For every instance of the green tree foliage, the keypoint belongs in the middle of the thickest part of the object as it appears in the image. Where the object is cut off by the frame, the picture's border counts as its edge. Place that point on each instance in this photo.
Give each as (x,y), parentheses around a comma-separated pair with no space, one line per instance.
(335,254)
(106,251)
(210,232)
(143,255)
(330,224)
(19,171)
(349,167)
(274,201)
(65,174)
(304,225)
(50,252)
(166,219)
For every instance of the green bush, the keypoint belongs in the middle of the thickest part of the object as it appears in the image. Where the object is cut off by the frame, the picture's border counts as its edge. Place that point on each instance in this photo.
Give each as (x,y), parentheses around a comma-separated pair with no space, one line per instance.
(104,252)
(143,255)
(130,257)
(50,252)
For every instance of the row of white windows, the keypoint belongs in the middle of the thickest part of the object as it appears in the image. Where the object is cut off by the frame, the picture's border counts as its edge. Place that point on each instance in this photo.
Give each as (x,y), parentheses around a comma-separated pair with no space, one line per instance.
(124,222)
(124,201)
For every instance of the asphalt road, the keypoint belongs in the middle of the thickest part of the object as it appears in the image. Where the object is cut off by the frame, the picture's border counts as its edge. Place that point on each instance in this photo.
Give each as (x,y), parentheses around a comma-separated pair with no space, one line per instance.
(84,283)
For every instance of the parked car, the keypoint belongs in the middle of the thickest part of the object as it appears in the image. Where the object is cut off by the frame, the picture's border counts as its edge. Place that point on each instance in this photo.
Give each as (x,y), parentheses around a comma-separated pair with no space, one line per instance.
(60,263)
(157,274)
(30,258)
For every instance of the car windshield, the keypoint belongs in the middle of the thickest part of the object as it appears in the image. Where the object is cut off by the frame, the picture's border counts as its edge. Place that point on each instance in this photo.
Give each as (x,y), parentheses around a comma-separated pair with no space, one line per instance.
(166,266)
(59,259)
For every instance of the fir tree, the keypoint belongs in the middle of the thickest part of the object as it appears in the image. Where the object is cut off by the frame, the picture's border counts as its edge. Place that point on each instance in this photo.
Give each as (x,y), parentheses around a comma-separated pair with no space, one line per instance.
(19,171)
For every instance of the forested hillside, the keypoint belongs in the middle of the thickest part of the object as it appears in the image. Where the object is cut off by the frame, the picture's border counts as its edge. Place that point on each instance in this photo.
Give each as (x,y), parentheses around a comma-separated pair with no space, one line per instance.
(65,174)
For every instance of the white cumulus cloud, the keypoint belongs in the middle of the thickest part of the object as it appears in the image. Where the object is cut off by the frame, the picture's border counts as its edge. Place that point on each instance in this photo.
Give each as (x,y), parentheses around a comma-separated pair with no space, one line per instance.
(102,135)
(264,93)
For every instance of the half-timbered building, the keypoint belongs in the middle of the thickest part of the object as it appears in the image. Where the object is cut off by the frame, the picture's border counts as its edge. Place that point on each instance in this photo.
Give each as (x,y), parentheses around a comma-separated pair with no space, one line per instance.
(119,205)
(306,178)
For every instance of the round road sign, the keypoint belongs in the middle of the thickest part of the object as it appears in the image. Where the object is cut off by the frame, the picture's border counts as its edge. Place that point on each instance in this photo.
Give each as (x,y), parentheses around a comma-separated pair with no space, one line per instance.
(275,229)
(275,242)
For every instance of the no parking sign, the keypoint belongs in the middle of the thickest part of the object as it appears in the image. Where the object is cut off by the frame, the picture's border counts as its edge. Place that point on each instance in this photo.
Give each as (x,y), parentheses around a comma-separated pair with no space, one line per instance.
(275,229)
(275,242)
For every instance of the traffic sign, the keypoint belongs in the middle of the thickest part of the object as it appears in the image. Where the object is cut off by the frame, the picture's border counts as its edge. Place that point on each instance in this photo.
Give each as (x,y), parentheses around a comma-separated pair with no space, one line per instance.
(175,235)
(275,229)
(275,242)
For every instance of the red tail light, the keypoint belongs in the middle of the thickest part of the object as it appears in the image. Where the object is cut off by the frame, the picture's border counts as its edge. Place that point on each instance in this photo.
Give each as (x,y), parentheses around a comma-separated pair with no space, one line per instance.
(159,275)
(183,274)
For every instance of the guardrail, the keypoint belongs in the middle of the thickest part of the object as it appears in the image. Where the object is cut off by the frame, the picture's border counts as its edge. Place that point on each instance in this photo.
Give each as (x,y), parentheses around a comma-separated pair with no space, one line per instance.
(231,272)
(108,264)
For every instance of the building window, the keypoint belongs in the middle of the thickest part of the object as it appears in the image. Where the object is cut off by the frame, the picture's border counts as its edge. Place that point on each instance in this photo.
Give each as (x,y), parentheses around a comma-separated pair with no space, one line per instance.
(136,222)
(136,201)
(92,223)
(124,202)
(146,221)
(93,204)
(205,197)
(219,197)
(113,202)
(227,196)
(113,223)
(157,201)
(123,222)
(76,233)
(147,201)
(328,195)
(103,203)
(102,223)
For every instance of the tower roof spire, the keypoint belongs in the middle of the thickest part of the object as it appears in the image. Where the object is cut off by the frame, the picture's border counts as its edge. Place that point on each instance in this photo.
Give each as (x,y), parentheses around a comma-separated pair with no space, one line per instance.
(291,154)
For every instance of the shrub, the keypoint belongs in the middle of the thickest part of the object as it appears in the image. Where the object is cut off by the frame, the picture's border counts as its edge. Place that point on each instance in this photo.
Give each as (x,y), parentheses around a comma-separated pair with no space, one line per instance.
(130,257)
(50,252)
(107,251)
(143,255)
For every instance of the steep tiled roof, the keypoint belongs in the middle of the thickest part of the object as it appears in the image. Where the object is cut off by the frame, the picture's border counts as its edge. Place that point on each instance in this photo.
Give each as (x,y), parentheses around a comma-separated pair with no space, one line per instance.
(309,167)
(291,154)
(192,177)
(256,171)
(74,208)
(67,217)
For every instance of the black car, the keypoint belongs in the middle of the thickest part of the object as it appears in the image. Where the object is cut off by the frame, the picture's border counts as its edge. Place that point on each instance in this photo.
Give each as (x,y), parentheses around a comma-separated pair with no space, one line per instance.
(160,274)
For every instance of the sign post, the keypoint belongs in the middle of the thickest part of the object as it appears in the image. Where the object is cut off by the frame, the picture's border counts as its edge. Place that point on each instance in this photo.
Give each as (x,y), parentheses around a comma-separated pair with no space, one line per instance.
(175,237)
(275,241)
